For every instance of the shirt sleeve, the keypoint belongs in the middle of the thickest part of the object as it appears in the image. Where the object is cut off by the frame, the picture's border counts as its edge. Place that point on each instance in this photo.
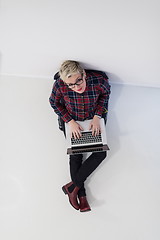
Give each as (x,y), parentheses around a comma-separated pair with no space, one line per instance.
(56,101)
(102,104)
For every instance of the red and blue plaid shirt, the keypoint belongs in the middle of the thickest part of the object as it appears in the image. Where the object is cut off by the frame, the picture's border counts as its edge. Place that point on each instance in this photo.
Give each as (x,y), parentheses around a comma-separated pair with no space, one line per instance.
(69,104)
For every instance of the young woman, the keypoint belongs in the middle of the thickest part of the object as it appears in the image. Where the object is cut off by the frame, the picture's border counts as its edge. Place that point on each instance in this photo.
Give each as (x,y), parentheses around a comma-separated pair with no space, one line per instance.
(78,95)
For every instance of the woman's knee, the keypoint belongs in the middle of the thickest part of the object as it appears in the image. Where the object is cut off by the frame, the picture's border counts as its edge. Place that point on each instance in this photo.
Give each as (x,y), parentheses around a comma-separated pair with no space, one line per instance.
(104,154)
(100,155)
(76,158)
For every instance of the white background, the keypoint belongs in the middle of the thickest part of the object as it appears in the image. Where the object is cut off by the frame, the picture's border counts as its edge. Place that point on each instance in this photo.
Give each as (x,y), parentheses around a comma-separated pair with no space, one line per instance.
(119,37)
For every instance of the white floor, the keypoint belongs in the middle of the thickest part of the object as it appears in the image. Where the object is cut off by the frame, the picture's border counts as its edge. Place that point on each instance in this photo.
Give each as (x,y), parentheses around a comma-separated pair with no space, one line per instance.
(124,192)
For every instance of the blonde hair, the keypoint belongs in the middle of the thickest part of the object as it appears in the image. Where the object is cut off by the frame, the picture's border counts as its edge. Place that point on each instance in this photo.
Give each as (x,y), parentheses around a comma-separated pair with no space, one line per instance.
(69,68)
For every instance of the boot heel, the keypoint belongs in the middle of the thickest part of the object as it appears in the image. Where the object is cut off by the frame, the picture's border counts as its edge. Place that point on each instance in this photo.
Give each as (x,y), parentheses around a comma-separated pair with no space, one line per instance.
(64,190)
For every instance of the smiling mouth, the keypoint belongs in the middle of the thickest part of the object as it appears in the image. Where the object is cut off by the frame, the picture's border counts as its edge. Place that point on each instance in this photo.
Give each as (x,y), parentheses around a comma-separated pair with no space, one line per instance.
(79,89)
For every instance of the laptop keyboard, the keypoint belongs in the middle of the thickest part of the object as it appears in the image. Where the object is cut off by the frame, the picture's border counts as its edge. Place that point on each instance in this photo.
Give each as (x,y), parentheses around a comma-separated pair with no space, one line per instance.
(86,137)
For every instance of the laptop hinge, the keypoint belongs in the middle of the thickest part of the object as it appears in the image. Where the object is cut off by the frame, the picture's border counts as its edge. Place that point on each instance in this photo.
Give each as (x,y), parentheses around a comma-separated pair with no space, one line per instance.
(95,148)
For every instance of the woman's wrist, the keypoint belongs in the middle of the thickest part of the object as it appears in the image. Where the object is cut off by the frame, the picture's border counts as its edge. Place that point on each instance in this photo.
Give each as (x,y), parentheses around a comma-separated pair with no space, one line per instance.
(97,116)
(71,121)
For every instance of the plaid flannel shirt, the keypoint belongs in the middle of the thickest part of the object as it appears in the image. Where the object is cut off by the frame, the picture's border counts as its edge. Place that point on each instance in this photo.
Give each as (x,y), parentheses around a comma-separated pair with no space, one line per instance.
(69,104)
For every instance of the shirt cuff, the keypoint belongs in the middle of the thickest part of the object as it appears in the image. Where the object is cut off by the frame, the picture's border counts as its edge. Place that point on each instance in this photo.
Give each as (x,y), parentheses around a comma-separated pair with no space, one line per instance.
(66,118)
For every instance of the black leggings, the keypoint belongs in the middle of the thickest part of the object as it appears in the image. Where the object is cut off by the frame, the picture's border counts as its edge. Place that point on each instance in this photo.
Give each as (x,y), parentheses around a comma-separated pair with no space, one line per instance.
(80,170)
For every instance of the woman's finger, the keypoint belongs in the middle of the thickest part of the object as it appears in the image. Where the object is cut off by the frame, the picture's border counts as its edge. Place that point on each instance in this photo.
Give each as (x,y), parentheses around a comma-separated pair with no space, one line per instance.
(74,135)
(79,134)
(81,128)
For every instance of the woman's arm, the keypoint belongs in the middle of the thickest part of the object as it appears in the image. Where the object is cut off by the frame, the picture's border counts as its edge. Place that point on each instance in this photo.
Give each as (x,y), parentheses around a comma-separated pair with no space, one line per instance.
(56,101)
(102,103)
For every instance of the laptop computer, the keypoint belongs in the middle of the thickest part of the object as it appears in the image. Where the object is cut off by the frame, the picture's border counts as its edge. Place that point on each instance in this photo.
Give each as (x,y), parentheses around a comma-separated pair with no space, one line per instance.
(87,142)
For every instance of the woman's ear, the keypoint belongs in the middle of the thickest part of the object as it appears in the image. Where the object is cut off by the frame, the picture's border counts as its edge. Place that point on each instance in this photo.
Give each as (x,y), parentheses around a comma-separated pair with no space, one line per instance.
(84,73)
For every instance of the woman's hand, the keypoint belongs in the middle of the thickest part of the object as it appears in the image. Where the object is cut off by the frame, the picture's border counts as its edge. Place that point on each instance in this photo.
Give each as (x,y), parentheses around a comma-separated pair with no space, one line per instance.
(95,126)
(75,129)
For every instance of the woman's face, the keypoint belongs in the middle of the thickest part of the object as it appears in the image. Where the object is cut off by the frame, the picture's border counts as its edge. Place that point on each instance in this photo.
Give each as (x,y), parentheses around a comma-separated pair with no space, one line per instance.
(77,82)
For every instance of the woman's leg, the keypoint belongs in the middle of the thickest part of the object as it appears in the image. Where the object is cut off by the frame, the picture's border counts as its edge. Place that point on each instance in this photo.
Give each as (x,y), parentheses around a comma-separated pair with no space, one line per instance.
(79,173)
(75,165)
(89,165)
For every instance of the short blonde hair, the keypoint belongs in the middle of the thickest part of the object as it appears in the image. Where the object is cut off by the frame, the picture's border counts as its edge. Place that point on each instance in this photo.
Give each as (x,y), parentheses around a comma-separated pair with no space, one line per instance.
(69,68)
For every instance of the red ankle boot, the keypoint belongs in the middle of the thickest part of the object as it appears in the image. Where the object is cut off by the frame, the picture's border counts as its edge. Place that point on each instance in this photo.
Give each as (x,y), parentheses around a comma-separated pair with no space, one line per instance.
(84,206)
(72,196)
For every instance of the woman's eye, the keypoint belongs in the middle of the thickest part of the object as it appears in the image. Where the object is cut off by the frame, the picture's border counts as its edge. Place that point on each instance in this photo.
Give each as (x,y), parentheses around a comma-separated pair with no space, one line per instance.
(79,80)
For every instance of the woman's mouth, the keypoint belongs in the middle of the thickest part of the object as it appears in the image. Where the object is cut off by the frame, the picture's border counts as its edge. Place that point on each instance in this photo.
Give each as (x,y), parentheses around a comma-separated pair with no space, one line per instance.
(79,89)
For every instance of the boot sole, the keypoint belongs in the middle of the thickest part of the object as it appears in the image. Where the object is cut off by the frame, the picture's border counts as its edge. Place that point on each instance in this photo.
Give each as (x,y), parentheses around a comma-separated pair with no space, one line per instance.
(87,210)
(64,190)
